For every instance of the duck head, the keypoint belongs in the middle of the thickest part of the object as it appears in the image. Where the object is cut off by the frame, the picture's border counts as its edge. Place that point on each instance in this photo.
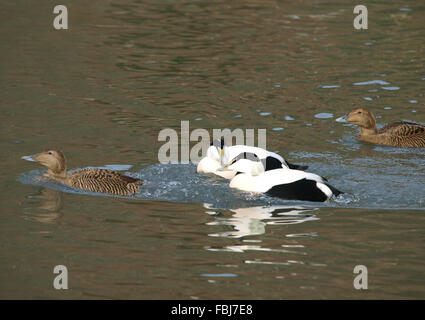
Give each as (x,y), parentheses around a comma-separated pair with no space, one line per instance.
(216,150)
(54,160)
(246,163)
(363,118)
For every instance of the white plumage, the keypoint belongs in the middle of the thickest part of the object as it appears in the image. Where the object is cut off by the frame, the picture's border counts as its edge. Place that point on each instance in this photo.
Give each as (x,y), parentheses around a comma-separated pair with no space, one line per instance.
(209,165)
(212,163)
(231,152)
(218,155)
(284,183)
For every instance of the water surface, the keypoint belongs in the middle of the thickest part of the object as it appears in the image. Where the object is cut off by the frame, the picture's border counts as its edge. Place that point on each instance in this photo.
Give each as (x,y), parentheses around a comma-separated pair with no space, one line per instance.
(101,92)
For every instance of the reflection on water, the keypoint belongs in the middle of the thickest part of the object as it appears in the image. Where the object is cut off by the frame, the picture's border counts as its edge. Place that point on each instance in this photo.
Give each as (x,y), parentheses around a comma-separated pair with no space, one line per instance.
(253,220)
(44,206)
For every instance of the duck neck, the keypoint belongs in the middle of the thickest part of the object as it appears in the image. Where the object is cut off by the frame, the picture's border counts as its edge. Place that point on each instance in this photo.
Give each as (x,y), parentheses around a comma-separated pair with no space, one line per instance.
(368,128)
(57,175)
(368,131)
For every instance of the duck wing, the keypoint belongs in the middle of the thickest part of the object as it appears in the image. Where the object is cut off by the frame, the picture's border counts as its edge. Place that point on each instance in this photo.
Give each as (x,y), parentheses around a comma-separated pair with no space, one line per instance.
(275,177)
(104,181)
(403,129)
(298,185)
(404,134)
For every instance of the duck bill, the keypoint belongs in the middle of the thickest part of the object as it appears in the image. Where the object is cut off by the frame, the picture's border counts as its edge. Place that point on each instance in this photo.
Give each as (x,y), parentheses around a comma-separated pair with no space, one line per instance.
(225,167)
(343,118)
(221,156)
(30,158)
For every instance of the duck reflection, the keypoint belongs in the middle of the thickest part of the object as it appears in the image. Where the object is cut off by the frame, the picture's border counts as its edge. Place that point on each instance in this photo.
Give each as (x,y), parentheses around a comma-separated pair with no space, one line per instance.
(44,206)
(253,220)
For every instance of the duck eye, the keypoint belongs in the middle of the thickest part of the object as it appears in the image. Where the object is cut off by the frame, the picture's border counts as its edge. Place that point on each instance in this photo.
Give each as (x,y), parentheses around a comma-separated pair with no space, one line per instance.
(50,152)
(359,112)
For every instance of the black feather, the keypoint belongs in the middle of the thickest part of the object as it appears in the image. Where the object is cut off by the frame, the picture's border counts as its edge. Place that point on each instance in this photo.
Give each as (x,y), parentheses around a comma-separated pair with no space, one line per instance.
(303,189)
(296,166)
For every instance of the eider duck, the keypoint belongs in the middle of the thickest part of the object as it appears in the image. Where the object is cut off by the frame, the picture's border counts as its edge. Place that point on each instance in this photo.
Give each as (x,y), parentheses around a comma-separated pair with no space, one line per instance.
(267,176)
(213,161)
(218,154)
(92,179)
(397,134)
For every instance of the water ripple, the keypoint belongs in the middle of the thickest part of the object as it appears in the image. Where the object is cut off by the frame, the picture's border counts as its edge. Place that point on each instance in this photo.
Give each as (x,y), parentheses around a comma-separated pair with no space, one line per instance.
(366,83)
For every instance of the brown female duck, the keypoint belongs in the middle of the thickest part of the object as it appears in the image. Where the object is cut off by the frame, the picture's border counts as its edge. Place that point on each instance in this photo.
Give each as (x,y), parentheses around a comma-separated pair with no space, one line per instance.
(397,134)
(92,179)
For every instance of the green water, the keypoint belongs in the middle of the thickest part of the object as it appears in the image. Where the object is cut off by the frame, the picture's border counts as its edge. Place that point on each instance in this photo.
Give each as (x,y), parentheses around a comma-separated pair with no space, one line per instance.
(103,90)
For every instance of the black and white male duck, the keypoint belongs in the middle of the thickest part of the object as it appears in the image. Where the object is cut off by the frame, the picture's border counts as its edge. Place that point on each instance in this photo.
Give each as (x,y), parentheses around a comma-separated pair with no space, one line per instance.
(269,177)
(218,154)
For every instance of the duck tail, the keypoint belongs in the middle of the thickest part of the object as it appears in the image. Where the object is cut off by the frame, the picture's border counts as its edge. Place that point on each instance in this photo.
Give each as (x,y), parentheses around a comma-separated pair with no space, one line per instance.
(296,166)
(334,190)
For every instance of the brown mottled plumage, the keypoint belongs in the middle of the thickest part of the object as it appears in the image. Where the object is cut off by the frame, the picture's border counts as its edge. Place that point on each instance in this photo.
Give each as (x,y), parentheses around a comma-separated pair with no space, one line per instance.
(397,134)
(93,179)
